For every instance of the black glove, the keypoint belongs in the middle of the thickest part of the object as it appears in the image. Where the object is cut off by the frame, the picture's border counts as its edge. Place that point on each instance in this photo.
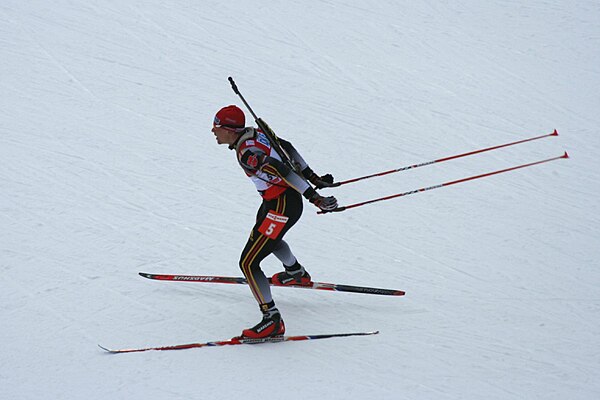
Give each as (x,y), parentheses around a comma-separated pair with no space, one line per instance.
(328,203)
(321,181)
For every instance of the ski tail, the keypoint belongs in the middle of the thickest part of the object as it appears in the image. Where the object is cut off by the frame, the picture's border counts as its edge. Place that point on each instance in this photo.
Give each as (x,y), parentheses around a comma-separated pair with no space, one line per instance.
(196,278)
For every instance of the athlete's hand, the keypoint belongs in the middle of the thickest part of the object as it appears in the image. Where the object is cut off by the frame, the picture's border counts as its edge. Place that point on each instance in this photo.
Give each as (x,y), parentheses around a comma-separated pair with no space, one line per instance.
(328,203)
(322,181)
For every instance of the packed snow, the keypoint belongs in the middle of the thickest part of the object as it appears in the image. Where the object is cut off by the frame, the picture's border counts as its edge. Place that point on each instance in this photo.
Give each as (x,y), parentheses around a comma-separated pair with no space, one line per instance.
(108,167)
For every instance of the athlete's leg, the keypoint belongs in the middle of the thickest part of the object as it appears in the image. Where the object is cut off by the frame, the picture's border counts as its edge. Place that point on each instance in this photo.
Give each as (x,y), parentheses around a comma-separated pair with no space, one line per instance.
(283,252)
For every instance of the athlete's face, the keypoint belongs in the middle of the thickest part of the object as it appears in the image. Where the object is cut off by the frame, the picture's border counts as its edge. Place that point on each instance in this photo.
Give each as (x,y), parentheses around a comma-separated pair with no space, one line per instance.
(224,135)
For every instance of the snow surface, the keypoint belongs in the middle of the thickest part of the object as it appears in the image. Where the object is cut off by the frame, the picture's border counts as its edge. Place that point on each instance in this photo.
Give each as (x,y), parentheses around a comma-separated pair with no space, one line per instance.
(108,167)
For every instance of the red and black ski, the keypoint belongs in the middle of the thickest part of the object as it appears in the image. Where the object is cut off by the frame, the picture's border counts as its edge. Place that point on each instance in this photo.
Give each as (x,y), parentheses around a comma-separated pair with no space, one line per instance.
(242,281)
(239,340)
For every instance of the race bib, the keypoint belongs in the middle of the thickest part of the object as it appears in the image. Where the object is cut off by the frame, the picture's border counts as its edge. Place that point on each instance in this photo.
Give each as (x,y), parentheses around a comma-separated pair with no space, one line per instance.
(273,225)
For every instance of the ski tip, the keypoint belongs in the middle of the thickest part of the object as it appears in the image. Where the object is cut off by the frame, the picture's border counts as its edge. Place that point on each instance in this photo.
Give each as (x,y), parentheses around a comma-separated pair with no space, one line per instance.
(555,133)
(566,155)
(145,274)
(364,333)
(105,349)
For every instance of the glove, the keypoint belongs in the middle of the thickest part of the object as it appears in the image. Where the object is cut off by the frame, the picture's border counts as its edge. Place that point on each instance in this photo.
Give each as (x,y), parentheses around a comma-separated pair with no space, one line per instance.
(328,203)
(321,181)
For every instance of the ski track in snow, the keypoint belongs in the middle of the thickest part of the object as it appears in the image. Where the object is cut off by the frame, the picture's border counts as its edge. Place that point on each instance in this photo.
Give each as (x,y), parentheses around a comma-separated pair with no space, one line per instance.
(108,168)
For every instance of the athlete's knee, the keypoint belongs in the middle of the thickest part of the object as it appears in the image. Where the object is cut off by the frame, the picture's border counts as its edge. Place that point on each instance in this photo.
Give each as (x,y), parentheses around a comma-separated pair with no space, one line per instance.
(242,265)
(245,265)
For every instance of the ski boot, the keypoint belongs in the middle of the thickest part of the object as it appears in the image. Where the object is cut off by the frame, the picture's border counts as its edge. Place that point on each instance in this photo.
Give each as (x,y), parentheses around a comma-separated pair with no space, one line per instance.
(294,275)
(271,325)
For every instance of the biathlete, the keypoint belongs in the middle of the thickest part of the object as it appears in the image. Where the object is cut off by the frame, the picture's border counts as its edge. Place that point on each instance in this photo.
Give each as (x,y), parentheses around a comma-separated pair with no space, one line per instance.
(281,189)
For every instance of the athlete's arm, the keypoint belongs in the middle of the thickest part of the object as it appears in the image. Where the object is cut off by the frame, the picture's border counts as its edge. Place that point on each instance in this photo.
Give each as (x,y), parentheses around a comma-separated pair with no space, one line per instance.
(254,160)
(319,181)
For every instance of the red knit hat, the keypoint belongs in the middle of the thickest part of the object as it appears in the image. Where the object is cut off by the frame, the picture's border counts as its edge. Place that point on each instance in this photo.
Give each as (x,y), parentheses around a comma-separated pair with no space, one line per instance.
(230,117)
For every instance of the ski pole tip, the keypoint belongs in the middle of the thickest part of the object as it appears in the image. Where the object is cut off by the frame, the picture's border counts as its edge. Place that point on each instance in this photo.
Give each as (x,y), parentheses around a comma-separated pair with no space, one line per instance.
(555,133)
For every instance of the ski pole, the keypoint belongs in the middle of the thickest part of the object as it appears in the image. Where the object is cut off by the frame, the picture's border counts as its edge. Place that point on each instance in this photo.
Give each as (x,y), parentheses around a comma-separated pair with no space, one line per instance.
(555,133)
(339,209)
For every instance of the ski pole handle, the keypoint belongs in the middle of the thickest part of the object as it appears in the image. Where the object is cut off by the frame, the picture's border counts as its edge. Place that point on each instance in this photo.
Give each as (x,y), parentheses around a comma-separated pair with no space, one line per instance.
(339,209)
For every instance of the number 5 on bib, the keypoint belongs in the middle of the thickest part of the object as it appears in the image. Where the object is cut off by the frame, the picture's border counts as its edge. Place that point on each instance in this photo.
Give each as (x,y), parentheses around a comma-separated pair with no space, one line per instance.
(273,225)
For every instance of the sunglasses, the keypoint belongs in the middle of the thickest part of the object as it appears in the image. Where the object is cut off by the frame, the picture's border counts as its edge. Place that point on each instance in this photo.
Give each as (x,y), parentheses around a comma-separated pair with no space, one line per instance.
(217,124)
(227,127)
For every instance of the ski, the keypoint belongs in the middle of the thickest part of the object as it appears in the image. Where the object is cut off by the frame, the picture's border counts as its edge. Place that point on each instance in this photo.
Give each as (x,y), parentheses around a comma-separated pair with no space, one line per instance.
(239,340)
(242,281)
